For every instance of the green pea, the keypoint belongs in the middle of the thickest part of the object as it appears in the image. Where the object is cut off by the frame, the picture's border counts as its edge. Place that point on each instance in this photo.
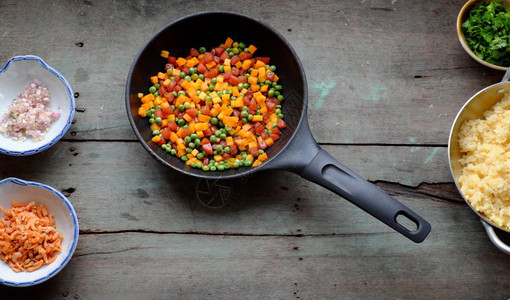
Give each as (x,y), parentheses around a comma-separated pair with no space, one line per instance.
(199,165)
(242,45)
(277,111)
(217,133)
(235,51)
(221,69)
(194,76)
(272,68)
(246,85)
(193,136)
(157,85)
(187,105)
(180,107)
(227,149)
(192,71)
(211,87)
(196,141)
(156,94)
(280,97)
(191,145)
(181,122)
(244,114)
(267,82)
(231,53)
(213,139)
(173,152)
(169,71)
(214,121)
(250,117)
(155,132)
(261,151)
(235,165)
(182,75)
(213,168)
(239,86)
(278,106)
(200,155)
(193,165)
(188,150)
(174,93)
(278,87)
(247,163)
(202,50)
(181,93)
(158,120)
(223,136)
(184,158)
(152,90)
(187,139)
(235,44)
(244,120)
(187,78)
(208,98)
(214,80)
(201,77)
(205,168)
(280,116)
(221,168)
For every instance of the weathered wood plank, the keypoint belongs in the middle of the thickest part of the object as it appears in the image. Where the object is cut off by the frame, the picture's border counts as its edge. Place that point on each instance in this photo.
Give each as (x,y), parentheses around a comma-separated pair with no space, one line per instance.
(380,266)
(117,186)
(378,71)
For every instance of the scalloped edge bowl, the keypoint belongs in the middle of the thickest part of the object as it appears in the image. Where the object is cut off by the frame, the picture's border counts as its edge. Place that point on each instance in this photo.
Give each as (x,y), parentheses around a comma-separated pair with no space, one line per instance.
(14,76)
(15,189)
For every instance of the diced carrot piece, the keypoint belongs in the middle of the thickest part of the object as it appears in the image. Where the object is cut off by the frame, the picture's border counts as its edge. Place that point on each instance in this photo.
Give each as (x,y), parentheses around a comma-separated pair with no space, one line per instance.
(252,49)
(164,53)
(246,64)
(181,61)
(263,156)
(259,64)
(228,43)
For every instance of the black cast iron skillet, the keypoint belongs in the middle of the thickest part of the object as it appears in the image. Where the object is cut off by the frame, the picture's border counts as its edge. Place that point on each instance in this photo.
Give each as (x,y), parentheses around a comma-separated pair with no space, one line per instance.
(296,150)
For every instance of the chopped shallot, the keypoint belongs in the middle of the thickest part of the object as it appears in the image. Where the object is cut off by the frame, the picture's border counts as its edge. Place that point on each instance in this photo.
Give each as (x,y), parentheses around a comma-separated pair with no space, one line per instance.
(28,115)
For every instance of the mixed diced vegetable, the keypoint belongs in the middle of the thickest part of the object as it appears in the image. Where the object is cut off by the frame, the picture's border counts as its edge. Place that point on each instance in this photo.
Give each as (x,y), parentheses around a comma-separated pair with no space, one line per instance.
(216,109)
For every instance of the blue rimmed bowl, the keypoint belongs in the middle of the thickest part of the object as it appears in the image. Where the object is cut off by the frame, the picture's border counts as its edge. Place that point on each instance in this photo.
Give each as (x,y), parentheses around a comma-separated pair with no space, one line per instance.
(14,76)
(66,221)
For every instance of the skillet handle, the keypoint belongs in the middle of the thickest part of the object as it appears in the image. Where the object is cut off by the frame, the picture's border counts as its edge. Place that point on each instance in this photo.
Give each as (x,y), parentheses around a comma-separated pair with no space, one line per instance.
(331,174)
(494,238)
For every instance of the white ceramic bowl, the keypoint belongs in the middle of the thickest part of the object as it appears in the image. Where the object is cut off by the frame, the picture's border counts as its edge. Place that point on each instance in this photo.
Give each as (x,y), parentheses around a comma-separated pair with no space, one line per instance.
(14,76)
(14,189)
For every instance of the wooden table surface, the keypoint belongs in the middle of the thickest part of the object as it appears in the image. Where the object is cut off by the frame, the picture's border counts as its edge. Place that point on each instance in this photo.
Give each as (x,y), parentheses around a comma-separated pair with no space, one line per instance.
(386,79)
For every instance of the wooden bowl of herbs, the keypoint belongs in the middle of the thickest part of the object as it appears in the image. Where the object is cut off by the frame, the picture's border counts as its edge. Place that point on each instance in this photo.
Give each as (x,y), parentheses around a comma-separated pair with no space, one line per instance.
(483,28)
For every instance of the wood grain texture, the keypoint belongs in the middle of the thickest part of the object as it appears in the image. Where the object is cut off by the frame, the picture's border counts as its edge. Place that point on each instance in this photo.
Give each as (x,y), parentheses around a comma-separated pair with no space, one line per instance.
(378,72)
(119,186)
(169,266)
(386,79)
